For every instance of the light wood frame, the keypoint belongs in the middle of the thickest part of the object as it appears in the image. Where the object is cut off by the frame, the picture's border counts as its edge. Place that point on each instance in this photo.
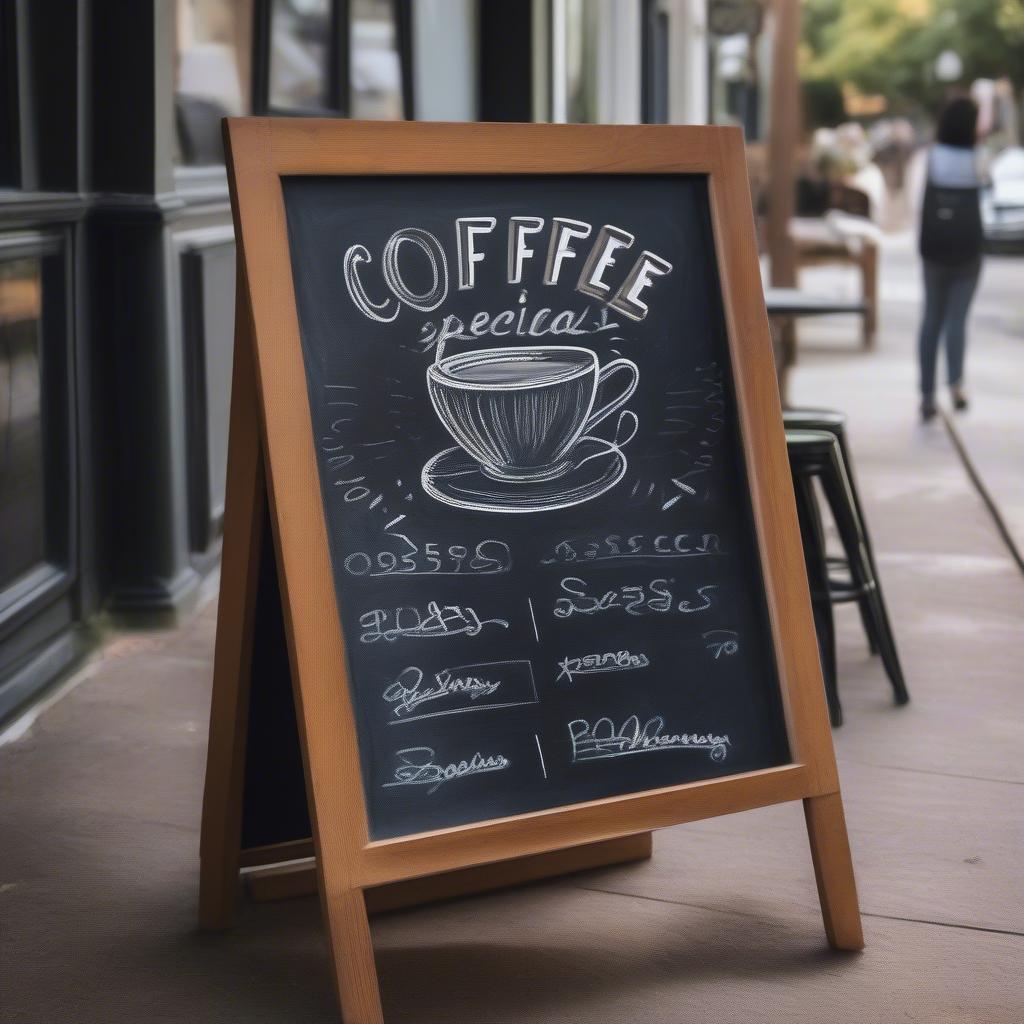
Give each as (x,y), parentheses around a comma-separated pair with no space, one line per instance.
(270,388)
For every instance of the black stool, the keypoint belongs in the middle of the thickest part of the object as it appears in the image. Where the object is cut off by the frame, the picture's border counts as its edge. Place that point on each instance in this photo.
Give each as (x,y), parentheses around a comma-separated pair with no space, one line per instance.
(817,453)
(834,423)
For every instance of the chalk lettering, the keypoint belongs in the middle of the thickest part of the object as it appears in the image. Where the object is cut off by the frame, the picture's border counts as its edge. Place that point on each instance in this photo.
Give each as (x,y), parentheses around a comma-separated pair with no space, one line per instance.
(604,739)
(655,597)
(590,664)
(620,546)
(390,624)
(416,766)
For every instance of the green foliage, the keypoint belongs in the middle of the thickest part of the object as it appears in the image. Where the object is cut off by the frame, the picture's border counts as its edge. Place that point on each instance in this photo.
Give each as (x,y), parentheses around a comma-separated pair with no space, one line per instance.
(889,47)
(822,102)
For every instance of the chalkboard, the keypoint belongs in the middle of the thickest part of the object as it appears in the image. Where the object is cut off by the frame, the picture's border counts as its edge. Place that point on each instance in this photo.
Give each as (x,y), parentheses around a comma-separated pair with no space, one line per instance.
(537,511)
(505,394)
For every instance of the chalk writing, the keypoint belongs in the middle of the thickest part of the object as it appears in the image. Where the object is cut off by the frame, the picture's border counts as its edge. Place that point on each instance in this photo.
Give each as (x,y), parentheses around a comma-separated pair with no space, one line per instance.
(452,691)
(563,236)
(522,322)
(655,597)
(721,641)
(604,739)
(590,664)
(438,621)
(411,559)
(617,546)
(416,766)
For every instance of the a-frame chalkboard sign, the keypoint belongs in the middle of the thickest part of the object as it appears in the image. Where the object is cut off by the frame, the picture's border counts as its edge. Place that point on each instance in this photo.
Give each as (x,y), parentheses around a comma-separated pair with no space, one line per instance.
(504,395)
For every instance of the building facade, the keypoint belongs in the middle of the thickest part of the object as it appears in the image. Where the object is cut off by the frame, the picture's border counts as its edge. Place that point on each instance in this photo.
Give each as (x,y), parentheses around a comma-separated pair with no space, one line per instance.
(117,263)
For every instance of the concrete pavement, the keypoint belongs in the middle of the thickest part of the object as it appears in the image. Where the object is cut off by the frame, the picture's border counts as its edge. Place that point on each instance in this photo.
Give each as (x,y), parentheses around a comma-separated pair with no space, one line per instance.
(101,800)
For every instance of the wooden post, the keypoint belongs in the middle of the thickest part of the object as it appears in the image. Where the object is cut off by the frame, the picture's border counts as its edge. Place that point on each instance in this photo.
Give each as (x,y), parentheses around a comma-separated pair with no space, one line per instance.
(783,140)
(221,833)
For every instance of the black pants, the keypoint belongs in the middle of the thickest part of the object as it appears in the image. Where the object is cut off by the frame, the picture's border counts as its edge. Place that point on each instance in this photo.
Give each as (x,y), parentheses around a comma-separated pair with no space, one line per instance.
(948,291)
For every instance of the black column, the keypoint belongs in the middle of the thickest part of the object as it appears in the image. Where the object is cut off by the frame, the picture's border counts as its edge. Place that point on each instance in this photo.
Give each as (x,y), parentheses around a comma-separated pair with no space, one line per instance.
(506,60)
(138,386)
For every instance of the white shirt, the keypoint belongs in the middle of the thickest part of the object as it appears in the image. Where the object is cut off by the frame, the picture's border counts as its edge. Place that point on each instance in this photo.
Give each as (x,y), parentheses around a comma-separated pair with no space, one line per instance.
(953,167)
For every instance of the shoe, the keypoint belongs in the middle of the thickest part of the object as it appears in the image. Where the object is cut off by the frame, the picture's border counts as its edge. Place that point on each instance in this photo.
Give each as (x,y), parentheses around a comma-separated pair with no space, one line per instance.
(929,410)
(959,400)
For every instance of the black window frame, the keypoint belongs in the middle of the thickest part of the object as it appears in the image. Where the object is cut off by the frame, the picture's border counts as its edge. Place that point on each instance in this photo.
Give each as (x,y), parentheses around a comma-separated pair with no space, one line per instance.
(655,61)
(10,110)
(56,573)
(339,69)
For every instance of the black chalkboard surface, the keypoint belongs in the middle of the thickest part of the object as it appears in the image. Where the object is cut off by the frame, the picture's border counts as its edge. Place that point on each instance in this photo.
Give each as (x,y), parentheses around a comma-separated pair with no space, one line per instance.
(537,511)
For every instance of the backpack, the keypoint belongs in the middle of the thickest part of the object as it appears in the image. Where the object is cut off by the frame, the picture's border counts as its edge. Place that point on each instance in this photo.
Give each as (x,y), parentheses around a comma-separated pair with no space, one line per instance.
(951,230)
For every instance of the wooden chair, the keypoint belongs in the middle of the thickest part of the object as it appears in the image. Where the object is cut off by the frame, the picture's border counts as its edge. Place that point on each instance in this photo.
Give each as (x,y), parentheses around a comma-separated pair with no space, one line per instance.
(842,234)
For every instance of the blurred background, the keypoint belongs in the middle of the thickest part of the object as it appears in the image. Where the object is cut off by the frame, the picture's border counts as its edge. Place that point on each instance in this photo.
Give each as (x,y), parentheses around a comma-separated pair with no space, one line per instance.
(117,306)
(116,247)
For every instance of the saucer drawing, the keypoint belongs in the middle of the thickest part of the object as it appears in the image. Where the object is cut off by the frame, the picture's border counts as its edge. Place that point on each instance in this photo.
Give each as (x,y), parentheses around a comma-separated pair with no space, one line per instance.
(455,478)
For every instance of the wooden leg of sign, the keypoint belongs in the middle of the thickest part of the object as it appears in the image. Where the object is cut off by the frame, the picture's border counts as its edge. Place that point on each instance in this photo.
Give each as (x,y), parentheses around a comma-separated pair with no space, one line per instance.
(220,840)
(355,971)
(833,870)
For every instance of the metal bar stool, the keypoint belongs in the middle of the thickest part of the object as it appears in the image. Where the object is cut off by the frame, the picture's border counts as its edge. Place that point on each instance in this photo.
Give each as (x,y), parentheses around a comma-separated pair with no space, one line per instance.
(812,539)
(834,423)
(817,454)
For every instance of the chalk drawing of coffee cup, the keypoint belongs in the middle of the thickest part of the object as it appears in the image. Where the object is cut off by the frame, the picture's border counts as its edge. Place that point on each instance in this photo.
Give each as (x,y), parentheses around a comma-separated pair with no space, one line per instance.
(522,419)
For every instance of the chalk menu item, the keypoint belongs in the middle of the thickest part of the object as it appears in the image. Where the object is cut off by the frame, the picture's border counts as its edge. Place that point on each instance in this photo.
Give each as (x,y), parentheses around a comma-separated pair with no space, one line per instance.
(537,511)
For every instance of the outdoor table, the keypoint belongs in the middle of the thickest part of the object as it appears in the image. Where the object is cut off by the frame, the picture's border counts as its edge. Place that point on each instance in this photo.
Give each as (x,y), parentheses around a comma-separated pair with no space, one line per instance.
(785,304)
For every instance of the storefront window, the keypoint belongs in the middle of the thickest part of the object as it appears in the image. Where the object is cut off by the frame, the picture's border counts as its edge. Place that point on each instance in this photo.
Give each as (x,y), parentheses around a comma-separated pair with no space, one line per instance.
(596,61)
(315,57)
(300,55)
(334,57)
(574,89)
(376,67)
(22,498)
(738,63)
(214,43)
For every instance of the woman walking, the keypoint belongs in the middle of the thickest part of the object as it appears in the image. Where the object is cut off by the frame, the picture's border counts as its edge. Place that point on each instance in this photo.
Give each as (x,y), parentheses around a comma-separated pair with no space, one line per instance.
(950,245)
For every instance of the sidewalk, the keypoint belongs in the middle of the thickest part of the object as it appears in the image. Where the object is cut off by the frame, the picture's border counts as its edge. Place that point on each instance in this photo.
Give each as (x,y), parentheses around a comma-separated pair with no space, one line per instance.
(101,800)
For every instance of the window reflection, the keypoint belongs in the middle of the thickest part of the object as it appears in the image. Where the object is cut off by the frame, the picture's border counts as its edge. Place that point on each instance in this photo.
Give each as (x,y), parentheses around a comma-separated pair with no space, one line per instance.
(739,59)
(300,54)
(22,511)
(308,66)
(580,67)
(212,73)
(376,68)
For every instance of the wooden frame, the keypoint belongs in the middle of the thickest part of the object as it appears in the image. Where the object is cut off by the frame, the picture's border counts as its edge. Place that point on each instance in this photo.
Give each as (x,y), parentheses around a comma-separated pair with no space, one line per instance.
(270,388)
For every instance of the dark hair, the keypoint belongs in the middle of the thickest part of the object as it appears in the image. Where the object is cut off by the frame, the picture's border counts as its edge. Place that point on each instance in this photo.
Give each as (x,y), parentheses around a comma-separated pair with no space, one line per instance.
(958,123)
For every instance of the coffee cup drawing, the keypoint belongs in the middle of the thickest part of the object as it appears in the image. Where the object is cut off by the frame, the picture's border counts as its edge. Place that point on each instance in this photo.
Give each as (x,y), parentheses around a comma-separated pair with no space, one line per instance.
(522,419)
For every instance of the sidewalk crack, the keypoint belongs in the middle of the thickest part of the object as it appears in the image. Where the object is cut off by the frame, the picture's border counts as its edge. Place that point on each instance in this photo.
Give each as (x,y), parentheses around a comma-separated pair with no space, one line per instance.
(979,486)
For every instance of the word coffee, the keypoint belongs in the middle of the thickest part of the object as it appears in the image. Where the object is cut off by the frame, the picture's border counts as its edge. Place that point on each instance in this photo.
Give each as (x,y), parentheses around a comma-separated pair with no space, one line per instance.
(524,239)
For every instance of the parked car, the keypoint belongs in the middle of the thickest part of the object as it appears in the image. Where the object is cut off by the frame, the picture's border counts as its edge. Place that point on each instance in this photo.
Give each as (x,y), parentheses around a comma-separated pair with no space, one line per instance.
(1002,203)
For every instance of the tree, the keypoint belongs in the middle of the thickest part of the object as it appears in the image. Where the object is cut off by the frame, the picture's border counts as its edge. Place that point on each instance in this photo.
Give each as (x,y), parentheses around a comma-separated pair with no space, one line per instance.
(889,47)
